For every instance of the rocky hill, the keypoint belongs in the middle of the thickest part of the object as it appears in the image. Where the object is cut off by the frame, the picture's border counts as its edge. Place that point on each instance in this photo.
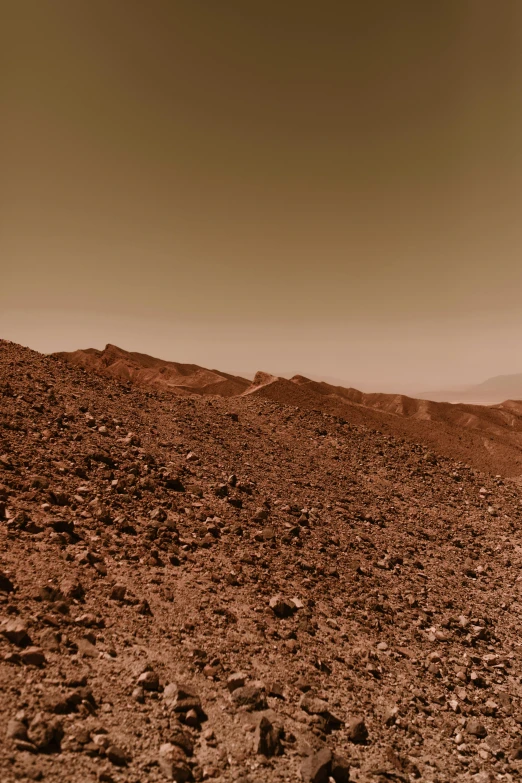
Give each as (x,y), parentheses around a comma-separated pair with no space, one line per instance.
(144,370)
(490,438)
(241,589)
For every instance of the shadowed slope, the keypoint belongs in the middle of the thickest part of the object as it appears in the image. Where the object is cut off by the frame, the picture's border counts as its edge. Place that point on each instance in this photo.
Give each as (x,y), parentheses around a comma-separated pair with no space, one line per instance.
(148,371)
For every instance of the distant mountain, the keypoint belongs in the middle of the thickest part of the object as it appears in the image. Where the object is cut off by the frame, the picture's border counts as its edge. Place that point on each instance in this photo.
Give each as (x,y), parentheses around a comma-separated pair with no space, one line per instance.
(491,392)
(145,370)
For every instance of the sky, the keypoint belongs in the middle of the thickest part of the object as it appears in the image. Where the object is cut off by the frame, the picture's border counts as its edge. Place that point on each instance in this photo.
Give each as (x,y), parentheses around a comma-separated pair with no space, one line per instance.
(326,188)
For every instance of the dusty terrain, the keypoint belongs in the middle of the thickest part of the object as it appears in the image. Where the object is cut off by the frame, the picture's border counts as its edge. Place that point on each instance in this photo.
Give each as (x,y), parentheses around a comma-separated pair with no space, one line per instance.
(239,588)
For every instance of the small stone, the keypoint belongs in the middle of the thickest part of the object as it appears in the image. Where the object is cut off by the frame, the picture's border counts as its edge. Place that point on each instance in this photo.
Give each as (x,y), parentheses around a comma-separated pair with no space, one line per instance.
(138,694)
(16,632)
(340,770)
(476,728)
(268,738)
(118,593)
(516,749)
(72,588)
(86,649)
(357,731)
(236,680)
(149,681)
(281,606)
(6,585)
(390,715)
(33,656)
(182,739)
(16,730)
(183,698)
(191,718)
(249,696)
(50,640)
(276,689)
(45,732)
(316,767)
(117,756)
(144,608)
(173,763)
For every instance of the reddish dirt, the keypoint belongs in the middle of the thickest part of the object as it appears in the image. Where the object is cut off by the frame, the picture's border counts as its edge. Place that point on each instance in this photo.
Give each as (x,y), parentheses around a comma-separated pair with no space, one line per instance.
(235,589)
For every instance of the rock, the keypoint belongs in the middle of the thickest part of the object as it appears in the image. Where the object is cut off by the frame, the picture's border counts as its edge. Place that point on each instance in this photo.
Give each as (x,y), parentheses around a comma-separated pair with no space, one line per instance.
(16,729)
(476,728)
(311,704)
(72,588)
(149,681)
(118,593)
(276,689)
(192,718)
(183,739)
(173,763)
(236,680)
(6,585)
(33,656)
(45,732)
(158,514)
(282,607)
(340,770)
(86,649)
(250,696)
(183,698)
(144,608)
(268,533)
(357,731)
(268,736)
(516,749)
(16,631)
(390,715)
(138,694)
(117,756)
(175,484)
(316,767)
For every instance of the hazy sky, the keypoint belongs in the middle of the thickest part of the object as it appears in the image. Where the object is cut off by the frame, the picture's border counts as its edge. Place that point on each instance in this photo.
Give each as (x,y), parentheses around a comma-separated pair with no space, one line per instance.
(331,188)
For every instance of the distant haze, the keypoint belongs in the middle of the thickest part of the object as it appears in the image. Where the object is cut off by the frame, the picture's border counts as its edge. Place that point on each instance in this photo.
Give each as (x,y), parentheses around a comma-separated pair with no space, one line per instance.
(332,189)
(489,392)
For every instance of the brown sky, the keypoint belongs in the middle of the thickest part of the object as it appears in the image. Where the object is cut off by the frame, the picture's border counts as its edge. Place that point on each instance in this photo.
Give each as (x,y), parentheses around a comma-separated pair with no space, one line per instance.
(326,187)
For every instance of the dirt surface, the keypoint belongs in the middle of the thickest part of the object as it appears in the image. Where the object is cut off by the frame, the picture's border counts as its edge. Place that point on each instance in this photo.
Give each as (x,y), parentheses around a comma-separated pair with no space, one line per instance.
(235,589)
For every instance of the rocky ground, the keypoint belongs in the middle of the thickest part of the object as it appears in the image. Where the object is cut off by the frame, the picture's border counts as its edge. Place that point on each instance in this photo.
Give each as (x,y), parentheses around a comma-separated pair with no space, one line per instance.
(230,589)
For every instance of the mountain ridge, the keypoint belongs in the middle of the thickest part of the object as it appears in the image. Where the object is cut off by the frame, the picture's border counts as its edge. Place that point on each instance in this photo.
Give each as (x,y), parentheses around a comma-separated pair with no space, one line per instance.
(487,436)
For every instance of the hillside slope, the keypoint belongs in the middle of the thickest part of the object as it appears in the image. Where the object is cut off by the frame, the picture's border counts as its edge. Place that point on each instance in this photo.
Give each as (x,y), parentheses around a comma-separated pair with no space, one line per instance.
(147,371)
(221,589)
(489,438)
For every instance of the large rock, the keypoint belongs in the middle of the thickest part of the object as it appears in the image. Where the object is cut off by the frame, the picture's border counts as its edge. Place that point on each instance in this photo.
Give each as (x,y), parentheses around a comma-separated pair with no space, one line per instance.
(316,767)
(268,738)
(173,763)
